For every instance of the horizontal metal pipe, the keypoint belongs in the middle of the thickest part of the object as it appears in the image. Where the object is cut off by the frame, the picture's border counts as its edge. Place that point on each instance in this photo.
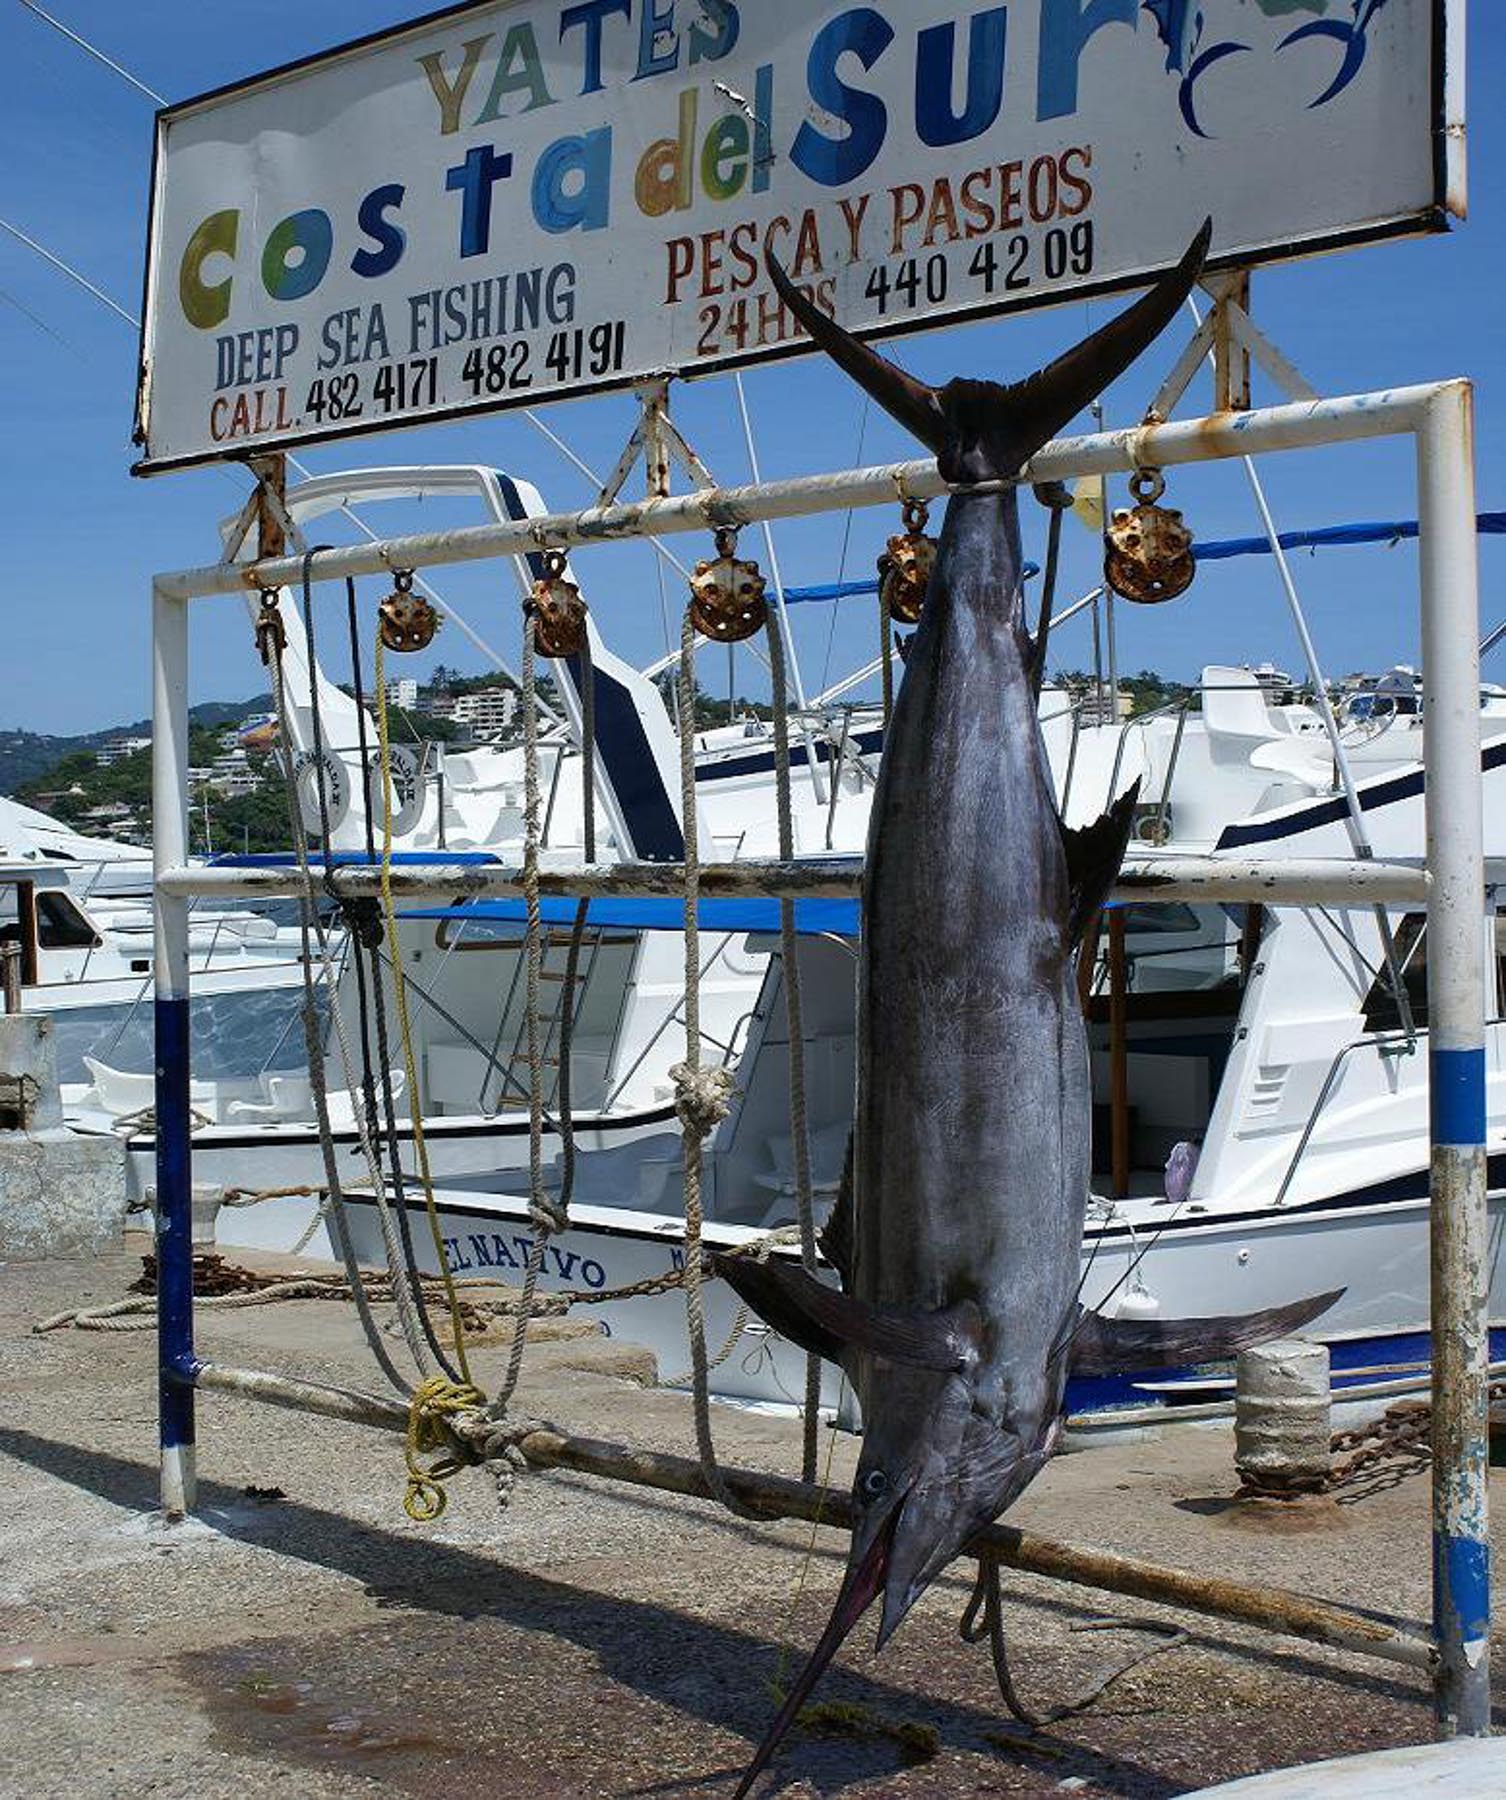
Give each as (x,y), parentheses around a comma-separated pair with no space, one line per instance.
(777,1497)
(1312,881)
(1222,435)
(346,1404)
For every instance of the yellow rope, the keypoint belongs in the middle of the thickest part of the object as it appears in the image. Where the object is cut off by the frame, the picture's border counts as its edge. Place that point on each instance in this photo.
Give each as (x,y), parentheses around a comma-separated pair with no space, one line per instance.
(400,994)
(435,1401)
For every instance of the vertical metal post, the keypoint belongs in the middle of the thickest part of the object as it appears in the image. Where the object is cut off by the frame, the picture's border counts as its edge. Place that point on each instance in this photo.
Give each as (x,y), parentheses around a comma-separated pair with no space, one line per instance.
(26,918)
(10,977)
(1119,1106)
(1456,1001)
(175,1351)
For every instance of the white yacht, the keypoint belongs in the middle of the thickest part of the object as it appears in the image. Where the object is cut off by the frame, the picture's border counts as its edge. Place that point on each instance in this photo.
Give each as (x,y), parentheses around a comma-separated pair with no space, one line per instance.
(1266,1053)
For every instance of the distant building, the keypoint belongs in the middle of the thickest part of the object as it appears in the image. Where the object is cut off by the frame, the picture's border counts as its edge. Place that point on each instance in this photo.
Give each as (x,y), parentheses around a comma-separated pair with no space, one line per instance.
(231,775)
(403,694)
(487,711)
(118,749)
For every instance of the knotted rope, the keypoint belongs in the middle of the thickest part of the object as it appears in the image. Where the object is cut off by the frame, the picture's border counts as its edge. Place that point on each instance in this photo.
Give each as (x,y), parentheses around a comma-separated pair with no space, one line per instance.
(435,1403)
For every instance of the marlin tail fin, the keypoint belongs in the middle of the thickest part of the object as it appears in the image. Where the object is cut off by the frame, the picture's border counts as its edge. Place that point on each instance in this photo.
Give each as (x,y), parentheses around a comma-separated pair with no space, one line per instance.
(981,429)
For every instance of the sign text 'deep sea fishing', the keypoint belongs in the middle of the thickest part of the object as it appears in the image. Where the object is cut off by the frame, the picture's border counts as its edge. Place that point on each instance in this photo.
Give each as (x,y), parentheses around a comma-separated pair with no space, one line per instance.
(511,202)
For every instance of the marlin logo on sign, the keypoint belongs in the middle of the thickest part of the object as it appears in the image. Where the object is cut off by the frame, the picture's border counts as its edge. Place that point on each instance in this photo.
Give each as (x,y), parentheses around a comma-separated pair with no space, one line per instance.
(1190,32)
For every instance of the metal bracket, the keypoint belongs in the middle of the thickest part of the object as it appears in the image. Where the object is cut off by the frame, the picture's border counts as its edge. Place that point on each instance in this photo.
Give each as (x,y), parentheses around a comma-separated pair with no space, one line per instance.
(266,510)
(659,442)
(1231,338)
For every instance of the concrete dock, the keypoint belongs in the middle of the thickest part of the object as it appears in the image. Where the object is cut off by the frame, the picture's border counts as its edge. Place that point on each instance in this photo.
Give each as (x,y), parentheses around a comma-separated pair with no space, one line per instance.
(301,1636)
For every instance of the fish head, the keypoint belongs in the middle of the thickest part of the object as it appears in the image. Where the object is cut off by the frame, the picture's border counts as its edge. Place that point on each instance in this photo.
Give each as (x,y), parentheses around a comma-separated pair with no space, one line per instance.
(934,1470)
(983,430)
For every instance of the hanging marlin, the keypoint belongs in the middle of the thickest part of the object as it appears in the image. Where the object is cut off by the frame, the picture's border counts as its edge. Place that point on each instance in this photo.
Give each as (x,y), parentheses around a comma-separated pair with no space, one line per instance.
(958,1238)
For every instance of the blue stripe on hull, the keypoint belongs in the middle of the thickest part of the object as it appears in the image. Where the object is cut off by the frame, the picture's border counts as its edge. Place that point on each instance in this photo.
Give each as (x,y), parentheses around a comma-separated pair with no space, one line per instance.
(1101,1393)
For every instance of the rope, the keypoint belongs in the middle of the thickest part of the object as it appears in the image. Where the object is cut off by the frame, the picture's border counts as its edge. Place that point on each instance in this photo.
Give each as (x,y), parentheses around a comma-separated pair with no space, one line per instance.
(412,1328)
(545,1214)
(405,1031)
(702,1096)
(886,649)
(144,1122)
(272,641)
(378,992)
(795,1018)
(435,1402)
(988,1599)
(563,1095)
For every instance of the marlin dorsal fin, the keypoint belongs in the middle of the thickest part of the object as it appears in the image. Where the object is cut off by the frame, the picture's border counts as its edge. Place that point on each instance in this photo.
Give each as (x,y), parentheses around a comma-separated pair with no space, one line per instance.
(1094,855)
(836,1237)
(1123,1346)
(831,1324)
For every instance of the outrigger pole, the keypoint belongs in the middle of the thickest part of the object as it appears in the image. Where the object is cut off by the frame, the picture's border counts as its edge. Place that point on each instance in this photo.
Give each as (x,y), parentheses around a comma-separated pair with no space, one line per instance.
(1438,419)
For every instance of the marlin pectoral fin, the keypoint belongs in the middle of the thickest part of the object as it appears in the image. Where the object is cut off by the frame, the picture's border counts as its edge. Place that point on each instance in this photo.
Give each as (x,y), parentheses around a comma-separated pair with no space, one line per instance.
(1094,855)
(1121,1346)
(829,1323)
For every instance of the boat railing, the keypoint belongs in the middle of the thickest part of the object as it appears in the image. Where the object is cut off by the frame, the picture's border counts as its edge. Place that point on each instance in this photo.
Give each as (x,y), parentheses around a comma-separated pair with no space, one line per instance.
(1390,1043)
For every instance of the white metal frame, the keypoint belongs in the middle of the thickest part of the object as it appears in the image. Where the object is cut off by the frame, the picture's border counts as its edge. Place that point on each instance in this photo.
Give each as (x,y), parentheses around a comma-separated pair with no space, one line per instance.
(1439,420)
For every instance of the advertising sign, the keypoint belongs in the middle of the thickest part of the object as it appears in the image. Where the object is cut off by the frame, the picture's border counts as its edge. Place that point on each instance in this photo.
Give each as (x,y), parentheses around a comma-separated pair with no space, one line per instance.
(514,201)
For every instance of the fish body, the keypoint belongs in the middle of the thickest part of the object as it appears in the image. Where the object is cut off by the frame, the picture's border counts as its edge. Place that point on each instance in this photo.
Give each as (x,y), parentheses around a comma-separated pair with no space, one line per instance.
(958,1236)
(971,1164)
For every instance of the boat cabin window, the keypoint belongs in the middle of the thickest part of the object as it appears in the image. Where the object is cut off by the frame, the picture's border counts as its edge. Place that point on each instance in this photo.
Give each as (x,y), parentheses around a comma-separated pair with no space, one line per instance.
(1168,983)
(1174,949)
(59,923)
(1381,1011)
(61,926)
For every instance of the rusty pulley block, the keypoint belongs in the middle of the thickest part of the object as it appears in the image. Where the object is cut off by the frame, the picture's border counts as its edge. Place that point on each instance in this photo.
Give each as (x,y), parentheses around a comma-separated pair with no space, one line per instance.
(1147,548)
(727,601)
(906,565)
(558,611)
(271,628)
(406,620)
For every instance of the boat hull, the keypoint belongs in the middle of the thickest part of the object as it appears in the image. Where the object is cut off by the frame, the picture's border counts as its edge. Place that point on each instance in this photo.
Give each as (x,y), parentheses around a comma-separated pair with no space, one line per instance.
(1379,1254)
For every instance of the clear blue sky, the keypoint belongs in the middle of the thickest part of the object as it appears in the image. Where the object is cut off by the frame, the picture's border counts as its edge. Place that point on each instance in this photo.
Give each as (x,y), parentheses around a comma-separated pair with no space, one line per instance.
(82,537)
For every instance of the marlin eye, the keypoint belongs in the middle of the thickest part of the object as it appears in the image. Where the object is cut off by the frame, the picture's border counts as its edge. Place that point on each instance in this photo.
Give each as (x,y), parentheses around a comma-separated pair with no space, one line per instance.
(875,1483)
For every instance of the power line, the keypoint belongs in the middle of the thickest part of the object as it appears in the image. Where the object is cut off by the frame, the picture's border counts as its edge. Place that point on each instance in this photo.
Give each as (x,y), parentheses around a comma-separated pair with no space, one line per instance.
(93,50)
(67,268)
